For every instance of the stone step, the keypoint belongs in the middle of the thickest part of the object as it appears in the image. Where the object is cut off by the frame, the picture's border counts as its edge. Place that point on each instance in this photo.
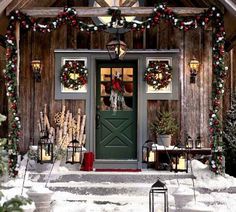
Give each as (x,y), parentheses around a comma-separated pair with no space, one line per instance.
(114,177)
(102,189)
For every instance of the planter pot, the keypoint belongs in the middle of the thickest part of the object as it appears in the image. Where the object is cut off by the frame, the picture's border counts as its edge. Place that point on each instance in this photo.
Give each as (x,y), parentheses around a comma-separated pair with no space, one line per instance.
(28,207)
(164,140)
(183,195)
(42,198)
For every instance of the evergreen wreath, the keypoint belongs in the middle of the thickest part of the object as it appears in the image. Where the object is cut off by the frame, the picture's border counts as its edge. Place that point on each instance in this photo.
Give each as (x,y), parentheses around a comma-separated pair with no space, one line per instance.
(158,75)
(73,75)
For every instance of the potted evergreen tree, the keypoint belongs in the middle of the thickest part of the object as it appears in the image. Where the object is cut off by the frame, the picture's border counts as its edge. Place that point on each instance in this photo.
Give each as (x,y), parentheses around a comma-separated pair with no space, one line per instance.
(164,126)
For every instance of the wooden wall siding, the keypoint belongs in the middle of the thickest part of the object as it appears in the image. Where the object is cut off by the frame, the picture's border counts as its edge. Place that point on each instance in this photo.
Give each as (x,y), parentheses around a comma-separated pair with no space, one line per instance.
(33,94)
(3,97)
(191,109)
(205,82)
(229,84)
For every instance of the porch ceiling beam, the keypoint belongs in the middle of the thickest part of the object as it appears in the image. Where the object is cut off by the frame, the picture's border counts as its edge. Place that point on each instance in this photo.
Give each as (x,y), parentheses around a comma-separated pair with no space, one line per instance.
(129,3)
(4,4)
(102,11)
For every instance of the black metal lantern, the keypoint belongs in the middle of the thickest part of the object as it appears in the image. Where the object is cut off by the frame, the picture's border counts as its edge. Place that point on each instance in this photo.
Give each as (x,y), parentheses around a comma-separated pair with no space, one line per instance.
(180,162)
(189,143)
(148,156)
(116,48)
(198,143)
(45,151)
(74,152)
(158,188)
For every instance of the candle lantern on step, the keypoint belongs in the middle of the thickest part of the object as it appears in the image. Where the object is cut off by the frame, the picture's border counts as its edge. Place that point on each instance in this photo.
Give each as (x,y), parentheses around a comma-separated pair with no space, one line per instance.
(180,162)
(156,189)
(189,143)
(198,142)
(45,150)
(74,152)
(148,156)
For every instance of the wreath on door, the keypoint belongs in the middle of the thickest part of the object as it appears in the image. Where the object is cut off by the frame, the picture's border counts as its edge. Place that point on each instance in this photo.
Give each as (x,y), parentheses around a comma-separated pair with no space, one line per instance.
(73,75)
(158,75)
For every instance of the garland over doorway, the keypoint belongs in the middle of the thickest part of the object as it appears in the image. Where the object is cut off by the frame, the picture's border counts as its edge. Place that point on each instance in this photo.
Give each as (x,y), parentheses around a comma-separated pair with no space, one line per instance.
(69,16)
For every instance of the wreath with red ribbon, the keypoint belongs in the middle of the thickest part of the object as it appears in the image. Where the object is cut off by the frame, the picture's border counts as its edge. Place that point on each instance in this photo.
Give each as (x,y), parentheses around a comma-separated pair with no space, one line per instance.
(73,75)
(158,75)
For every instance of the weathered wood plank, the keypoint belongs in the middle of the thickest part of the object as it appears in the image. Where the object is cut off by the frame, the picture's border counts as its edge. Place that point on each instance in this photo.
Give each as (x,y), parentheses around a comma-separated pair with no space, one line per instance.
(16,4)
(102,11)
(192,96)
(205,84)
(102,3)
(137,39)
(128,3)
(4,4)
(19,4)
(25,106)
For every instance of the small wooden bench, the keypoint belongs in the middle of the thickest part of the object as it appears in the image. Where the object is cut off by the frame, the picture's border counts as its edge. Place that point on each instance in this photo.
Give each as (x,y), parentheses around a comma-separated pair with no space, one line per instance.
(173,152)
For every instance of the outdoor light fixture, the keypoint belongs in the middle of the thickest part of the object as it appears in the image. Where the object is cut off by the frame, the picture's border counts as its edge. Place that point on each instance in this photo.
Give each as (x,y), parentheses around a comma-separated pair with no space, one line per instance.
(36,66)
(158,188)
(45,151)
(116,48)
(194,68)
(74,152)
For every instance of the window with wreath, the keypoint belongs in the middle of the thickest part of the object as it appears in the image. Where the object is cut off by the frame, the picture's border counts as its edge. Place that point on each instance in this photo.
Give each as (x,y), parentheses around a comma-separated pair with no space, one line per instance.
(74,75)
(158,75)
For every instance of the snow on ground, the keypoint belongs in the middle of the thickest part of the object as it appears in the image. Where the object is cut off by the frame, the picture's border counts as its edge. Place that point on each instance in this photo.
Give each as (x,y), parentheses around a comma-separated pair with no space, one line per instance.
(213,193)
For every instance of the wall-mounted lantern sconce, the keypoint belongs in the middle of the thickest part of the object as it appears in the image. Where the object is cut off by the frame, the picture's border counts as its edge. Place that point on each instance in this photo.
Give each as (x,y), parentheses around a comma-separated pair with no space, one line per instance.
(116,48)
(36,68)
(194,68)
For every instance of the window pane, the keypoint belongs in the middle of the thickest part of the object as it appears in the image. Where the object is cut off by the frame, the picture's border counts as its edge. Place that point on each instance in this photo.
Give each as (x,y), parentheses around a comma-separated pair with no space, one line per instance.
(128,74)
(116,72)
(105,103)
(105,88)
(105,74)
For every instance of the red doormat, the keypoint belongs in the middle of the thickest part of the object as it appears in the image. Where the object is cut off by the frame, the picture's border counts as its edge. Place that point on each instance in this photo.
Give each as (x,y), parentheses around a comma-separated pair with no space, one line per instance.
(118,170)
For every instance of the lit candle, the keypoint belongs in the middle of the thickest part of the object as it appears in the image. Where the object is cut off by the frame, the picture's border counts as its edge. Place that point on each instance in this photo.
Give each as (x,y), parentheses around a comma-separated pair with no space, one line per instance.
(45,156)
(151,156)
(181,165)
(77,157)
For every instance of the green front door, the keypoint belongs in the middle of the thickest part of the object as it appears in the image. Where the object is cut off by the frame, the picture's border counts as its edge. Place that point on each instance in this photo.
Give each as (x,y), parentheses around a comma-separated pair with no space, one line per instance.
(116,110)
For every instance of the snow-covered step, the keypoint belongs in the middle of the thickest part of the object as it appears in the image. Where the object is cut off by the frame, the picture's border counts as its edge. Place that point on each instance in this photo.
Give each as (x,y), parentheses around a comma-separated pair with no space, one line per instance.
(102,189)
(114,177)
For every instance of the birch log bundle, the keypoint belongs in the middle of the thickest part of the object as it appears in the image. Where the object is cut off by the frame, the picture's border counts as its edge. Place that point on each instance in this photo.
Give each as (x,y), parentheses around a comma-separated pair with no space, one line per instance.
(45,129)
(69,127)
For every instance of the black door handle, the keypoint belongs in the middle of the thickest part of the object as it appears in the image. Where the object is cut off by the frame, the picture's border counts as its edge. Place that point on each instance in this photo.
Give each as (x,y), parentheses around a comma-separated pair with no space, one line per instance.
(97,121)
